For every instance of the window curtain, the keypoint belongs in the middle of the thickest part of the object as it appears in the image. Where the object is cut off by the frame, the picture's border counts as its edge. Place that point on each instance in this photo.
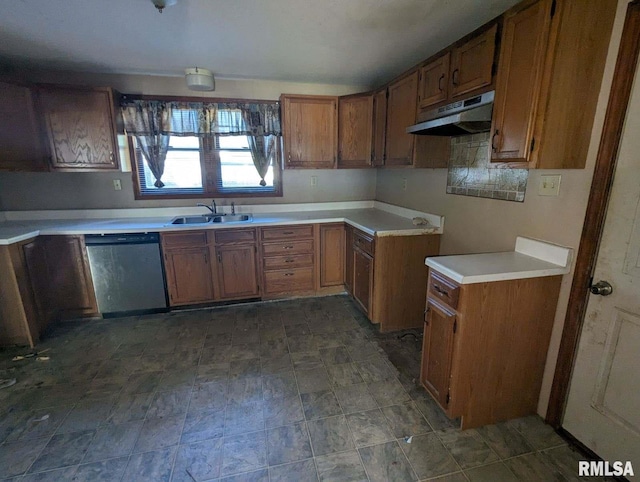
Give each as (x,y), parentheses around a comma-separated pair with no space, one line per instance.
(152,122)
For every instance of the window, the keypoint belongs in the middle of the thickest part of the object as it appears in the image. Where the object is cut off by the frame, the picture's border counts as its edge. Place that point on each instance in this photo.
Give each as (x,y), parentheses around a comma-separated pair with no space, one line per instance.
(192,171)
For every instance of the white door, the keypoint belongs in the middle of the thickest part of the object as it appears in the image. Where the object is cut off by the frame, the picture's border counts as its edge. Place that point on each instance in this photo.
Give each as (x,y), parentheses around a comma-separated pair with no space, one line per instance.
(603,407)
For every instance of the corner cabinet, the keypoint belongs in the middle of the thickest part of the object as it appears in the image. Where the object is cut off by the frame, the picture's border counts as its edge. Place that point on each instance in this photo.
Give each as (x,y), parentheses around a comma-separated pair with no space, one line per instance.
(485,346)
(552,61)
(22,140)
(355,131)
(379,127)
(401,113)
(310,131)
(80,124)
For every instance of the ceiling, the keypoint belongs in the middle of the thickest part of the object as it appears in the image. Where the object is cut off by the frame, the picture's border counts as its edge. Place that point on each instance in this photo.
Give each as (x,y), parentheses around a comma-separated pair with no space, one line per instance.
(359,42)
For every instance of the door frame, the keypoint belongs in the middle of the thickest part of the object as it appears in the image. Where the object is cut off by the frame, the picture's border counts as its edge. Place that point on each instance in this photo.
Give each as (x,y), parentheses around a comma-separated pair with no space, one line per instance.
(599,195)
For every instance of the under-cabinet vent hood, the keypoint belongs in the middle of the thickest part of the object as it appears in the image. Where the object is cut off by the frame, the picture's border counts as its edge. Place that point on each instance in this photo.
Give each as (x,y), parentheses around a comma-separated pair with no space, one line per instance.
(459,118)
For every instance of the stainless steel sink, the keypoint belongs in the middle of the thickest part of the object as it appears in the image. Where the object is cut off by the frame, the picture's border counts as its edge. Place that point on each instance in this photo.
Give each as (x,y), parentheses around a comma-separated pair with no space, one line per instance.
(193,219)
(233,218)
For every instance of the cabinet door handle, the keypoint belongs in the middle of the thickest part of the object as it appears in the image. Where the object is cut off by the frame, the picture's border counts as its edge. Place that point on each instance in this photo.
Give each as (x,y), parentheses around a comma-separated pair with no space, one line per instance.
(454,77)
(289,159)
(440,290)
(219,257)
(111,156)
(493,140)
(440,83)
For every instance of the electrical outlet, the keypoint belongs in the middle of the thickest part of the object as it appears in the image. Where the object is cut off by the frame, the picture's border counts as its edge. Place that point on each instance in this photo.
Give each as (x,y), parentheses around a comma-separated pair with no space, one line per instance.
(404,183)
(314,181)
(549,185)
(117,185)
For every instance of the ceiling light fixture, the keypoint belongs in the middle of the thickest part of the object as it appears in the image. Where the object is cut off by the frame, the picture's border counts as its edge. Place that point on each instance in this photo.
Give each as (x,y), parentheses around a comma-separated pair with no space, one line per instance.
(161,4)
(199,79)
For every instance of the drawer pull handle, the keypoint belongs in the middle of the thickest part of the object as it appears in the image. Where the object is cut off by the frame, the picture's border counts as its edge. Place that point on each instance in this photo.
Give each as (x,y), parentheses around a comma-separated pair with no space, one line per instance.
(440,290)
(288,260)
(288,274)
(287,247)
(287,232)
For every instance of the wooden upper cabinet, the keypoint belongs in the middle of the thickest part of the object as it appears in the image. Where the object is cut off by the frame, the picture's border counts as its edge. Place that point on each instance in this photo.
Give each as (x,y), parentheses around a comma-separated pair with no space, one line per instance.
(434,82)
(355,131)
(379,127)
(22,146)
(401,113)
(522,54)
(80,123)
(310,131)
(437,351)
(472,63)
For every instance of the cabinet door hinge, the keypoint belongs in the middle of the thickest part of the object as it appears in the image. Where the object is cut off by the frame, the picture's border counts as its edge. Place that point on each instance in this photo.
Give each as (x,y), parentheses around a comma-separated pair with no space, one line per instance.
(387,93)
(448,397)
(553,8)
(533,144)
(455,325)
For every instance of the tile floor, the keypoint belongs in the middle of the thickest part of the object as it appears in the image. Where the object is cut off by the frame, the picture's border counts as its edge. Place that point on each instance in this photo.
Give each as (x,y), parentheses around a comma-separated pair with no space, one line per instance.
(299,390)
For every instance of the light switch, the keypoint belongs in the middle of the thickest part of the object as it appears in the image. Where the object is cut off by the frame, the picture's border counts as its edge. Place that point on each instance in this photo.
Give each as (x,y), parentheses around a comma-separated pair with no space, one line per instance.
(117,185)
(314,181)
(404,183)
(549,185)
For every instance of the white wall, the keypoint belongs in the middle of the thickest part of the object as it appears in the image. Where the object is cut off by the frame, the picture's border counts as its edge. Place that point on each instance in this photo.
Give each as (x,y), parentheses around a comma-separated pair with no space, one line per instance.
(474,225)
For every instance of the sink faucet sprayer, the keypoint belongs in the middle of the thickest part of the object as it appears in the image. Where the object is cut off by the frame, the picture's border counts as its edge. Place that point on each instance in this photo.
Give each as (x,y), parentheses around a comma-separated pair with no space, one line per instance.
(213,208)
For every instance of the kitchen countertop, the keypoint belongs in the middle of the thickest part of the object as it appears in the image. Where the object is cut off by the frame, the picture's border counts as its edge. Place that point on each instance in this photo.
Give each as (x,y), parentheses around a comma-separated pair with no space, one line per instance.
(381,220)
(531,259)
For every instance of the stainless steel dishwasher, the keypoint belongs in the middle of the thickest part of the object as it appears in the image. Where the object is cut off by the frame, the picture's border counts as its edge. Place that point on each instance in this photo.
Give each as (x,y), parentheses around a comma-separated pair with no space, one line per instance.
(127,273)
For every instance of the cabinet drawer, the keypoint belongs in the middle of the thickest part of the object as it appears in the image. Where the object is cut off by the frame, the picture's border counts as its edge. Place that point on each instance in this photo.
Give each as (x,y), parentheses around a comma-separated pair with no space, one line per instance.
(288,247)
(287,232)
(229,236)
(287,262)
(288,281)
(444,289)
(363,241)
(193,238)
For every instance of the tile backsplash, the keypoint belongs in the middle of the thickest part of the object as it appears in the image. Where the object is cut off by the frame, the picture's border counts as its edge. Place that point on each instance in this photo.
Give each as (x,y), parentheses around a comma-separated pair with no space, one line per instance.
(470,174)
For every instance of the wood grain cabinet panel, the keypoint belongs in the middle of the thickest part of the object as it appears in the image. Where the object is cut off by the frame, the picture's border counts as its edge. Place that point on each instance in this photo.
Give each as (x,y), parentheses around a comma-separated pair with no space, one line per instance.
(522,54)
(22,142)
(401,113)
(332,254)
(80,124)
(362,279)
(355,131)
(434,82)
(237,272)
(472,64)
(189,275)
(348,264)
(310,131)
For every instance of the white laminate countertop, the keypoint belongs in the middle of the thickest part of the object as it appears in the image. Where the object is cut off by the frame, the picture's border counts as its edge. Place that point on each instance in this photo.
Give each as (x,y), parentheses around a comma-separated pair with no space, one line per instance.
(381,220)
(531,259)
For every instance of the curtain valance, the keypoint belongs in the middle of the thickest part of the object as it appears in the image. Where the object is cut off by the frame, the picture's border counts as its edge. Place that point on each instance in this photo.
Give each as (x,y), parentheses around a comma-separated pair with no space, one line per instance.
(157,117)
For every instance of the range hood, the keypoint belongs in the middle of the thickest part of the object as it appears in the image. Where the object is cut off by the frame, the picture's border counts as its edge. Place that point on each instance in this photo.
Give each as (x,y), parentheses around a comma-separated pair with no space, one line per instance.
(459,118)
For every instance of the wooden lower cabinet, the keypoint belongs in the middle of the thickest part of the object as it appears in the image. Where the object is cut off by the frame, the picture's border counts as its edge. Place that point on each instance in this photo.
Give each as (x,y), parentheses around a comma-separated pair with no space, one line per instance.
(236,266)
(362,279)
(386,275)
(332,254)
(348,262)
(485,346)
(189,275)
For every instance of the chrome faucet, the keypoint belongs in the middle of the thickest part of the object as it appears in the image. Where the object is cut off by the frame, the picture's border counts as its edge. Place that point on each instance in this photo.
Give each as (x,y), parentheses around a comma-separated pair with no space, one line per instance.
(213,208)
